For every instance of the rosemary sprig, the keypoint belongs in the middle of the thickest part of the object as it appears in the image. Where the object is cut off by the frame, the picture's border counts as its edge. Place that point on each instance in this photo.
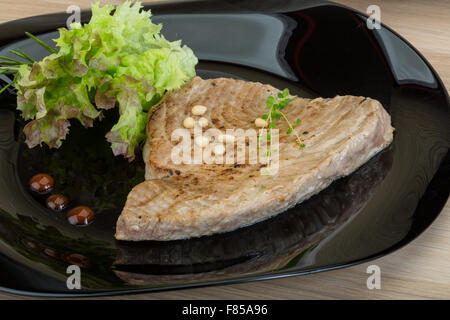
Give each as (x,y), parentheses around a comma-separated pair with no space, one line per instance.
(41,43)
(9,60)
(9,84)
(5,87)
(11,66)
(22,54)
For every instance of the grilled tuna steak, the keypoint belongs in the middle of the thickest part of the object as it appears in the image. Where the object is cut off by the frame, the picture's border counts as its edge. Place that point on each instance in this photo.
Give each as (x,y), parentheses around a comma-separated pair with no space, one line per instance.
(263,247)
(190,200)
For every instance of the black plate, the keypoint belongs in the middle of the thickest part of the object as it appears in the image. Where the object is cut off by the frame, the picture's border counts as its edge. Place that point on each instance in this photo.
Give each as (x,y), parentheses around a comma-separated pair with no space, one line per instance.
(313,49)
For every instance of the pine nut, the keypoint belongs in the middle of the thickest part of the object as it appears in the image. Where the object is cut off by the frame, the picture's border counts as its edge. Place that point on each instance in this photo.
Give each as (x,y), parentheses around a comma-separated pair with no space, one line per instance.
(260,123)
(188,123)
(203,122)
(198,110)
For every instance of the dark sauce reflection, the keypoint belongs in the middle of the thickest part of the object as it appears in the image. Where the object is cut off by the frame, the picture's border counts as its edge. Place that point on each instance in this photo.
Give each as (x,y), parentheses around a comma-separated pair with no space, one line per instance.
(41,183)
(80,215)
(84,172)
(57,202)
(270,245)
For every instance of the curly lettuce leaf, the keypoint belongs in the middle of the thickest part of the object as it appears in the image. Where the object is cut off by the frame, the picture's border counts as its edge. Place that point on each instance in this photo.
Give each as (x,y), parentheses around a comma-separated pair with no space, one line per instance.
(130,129)
(118,59)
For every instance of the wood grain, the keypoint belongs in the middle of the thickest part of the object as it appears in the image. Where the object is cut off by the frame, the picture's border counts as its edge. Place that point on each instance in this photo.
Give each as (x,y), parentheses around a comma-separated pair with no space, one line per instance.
(421,270)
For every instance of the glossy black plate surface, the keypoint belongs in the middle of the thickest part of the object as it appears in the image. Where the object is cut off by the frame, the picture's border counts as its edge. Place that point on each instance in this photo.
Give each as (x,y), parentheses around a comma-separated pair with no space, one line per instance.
(313,49)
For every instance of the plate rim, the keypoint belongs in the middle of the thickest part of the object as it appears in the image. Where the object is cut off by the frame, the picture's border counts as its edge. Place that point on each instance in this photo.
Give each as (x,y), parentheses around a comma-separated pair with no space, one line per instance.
(29,22)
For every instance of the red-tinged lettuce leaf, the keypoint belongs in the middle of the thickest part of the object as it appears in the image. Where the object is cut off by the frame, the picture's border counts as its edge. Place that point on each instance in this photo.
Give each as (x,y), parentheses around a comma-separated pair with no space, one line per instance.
(104,96)
(118,59)
(32,104)
(129,131)
(50,130)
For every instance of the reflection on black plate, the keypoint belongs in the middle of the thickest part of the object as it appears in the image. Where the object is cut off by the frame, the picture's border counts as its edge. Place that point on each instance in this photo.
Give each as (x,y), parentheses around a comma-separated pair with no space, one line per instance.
(320,50)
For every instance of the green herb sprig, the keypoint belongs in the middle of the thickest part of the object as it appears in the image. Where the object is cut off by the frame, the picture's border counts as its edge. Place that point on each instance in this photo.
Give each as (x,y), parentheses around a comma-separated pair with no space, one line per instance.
(275,114)
(276,104)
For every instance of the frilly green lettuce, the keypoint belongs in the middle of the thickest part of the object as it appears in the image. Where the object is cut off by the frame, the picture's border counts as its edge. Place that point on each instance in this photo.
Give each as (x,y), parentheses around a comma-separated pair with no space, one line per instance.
(118,59)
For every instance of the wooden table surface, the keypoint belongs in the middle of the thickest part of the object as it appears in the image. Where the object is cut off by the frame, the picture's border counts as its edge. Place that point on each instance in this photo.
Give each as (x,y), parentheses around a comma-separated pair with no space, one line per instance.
(421,270)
